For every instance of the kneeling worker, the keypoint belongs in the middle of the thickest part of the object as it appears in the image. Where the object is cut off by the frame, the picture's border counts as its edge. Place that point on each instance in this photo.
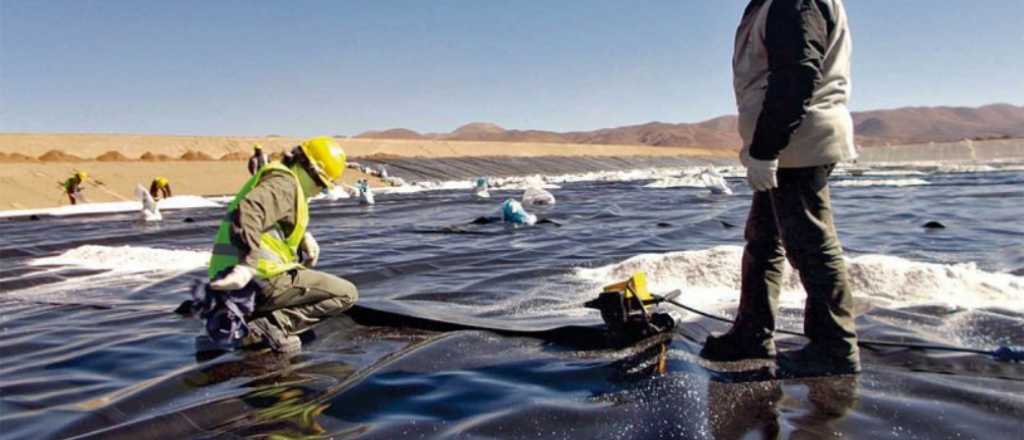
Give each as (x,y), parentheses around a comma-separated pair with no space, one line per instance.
(160,188)
(262,243)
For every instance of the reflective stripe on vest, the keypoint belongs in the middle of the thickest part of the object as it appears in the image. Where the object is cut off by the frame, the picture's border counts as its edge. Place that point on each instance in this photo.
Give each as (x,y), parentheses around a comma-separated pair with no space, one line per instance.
(276,254)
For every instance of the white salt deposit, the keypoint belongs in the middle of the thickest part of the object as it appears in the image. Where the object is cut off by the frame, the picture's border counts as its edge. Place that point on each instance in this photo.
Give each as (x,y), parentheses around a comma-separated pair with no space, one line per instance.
(712,276)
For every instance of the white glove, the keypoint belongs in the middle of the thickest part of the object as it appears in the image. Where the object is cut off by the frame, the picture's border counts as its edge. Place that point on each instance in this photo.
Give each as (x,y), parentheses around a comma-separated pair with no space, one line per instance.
(238,278)
(760,173)
(311,249)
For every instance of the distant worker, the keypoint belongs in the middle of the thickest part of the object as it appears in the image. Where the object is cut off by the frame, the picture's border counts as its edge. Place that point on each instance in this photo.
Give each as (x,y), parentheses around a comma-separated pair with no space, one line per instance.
(512,212)
(481,189)
(160,188)
(365,192)
(791,73)
(73,186)
(258,159)
(263,247)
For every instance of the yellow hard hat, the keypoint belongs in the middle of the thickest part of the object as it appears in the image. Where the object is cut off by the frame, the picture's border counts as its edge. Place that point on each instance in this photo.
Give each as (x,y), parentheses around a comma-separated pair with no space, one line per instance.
(257,147)
(161,181)
(82,175)
(326,158)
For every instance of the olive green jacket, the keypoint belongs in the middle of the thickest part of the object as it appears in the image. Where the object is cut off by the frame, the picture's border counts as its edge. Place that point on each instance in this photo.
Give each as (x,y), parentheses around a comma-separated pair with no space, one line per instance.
(271,202)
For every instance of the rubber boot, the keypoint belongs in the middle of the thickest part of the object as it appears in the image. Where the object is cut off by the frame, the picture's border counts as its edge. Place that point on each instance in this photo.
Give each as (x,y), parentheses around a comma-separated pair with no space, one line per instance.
(736,345)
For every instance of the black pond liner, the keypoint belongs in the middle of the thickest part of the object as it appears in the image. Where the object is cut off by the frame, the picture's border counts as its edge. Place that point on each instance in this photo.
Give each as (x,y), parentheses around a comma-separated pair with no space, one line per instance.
(100,355)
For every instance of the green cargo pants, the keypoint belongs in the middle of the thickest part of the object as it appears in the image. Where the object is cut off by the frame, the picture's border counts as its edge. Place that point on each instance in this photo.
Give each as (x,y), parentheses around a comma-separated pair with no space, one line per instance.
(796,218)
(300,298)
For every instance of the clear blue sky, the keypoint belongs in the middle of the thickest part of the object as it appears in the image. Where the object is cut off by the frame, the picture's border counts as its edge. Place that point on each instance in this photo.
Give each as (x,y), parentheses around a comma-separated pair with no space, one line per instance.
(343,67)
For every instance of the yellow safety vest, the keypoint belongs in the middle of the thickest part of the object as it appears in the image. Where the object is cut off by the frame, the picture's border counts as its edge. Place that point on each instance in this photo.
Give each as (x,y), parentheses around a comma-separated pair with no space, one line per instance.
(277,254)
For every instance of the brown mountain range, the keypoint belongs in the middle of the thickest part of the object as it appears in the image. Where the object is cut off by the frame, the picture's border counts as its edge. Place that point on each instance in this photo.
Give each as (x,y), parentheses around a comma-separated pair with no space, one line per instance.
(877,127)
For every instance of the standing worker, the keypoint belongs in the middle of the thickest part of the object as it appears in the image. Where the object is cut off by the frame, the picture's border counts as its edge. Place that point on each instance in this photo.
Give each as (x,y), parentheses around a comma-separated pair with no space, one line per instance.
(160,188)
(262,244)
(258,159)
(73,186)
(791,73)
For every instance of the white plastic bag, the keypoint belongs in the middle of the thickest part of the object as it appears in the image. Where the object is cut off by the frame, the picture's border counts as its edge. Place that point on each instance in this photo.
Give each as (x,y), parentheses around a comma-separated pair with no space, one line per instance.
(536,195)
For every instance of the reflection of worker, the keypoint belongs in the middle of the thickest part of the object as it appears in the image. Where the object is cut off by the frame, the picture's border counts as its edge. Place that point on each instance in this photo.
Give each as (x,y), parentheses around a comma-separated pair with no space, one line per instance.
(73,186)
(263,244)
(792,78)
(744,409)
(160,188)
(752,409)
(258,159)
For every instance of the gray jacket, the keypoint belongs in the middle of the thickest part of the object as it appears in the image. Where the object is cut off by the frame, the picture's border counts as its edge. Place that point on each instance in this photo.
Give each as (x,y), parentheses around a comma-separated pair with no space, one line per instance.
(791,74)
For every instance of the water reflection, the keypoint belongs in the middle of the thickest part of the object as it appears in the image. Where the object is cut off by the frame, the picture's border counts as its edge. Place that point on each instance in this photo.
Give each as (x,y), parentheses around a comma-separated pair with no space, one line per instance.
(810,407)
(830,398)
(286,412)
(240,365)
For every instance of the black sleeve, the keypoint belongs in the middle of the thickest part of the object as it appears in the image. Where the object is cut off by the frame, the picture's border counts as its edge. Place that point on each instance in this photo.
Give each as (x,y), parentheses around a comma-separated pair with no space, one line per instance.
(796,38)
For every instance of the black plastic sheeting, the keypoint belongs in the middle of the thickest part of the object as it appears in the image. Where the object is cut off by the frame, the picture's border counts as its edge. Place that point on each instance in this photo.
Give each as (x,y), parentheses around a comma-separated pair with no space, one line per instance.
(413,170)
(98,354)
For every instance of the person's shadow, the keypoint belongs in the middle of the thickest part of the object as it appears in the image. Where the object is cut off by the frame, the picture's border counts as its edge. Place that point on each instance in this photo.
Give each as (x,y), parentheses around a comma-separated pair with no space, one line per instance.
(812,407)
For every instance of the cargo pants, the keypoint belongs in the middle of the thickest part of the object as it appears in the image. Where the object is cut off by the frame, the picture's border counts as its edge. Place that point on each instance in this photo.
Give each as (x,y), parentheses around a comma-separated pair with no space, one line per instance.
(298,299)
(794,222)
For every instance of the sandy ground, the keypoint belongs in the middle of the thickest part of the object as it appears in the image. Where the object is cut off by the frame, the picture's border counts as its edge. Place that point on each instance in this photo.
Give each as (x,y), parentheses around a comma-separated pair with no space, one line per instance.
(28,182)
(132,146)
(35,185)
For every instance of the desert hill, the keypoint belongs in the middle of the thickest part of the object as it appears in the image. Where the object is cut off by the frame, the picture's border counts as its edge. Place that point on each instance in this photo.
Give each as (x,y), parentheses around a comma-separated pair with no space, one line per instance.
(928,124)
(876,127)
(395,133)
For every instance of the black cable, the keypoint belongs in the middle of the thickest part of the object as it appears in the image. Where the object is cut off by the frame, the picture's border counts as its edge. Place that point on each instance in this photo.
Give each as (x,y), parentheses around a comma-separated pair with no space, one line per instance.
(1003,353)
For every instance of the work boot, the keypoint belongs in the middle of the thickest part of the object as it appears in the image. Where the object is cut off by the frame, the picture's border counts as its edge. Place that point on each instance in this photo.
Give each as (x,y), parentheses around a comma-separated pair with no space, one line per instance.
(812,360)
(738,345)
(263,332)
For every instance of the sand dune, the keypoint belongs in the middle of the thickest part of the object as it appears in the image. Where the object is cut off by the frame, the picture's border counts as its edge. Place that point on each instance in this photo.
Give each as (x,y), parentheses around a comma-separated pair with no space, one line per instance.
(112,156)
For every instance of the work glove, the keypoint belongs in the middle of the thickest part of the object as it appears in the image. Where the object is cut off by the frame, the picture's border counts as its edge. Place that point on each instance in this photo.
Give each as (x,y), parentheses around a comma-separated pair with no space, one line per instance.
(760,173)
(310,249)
(239,277)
